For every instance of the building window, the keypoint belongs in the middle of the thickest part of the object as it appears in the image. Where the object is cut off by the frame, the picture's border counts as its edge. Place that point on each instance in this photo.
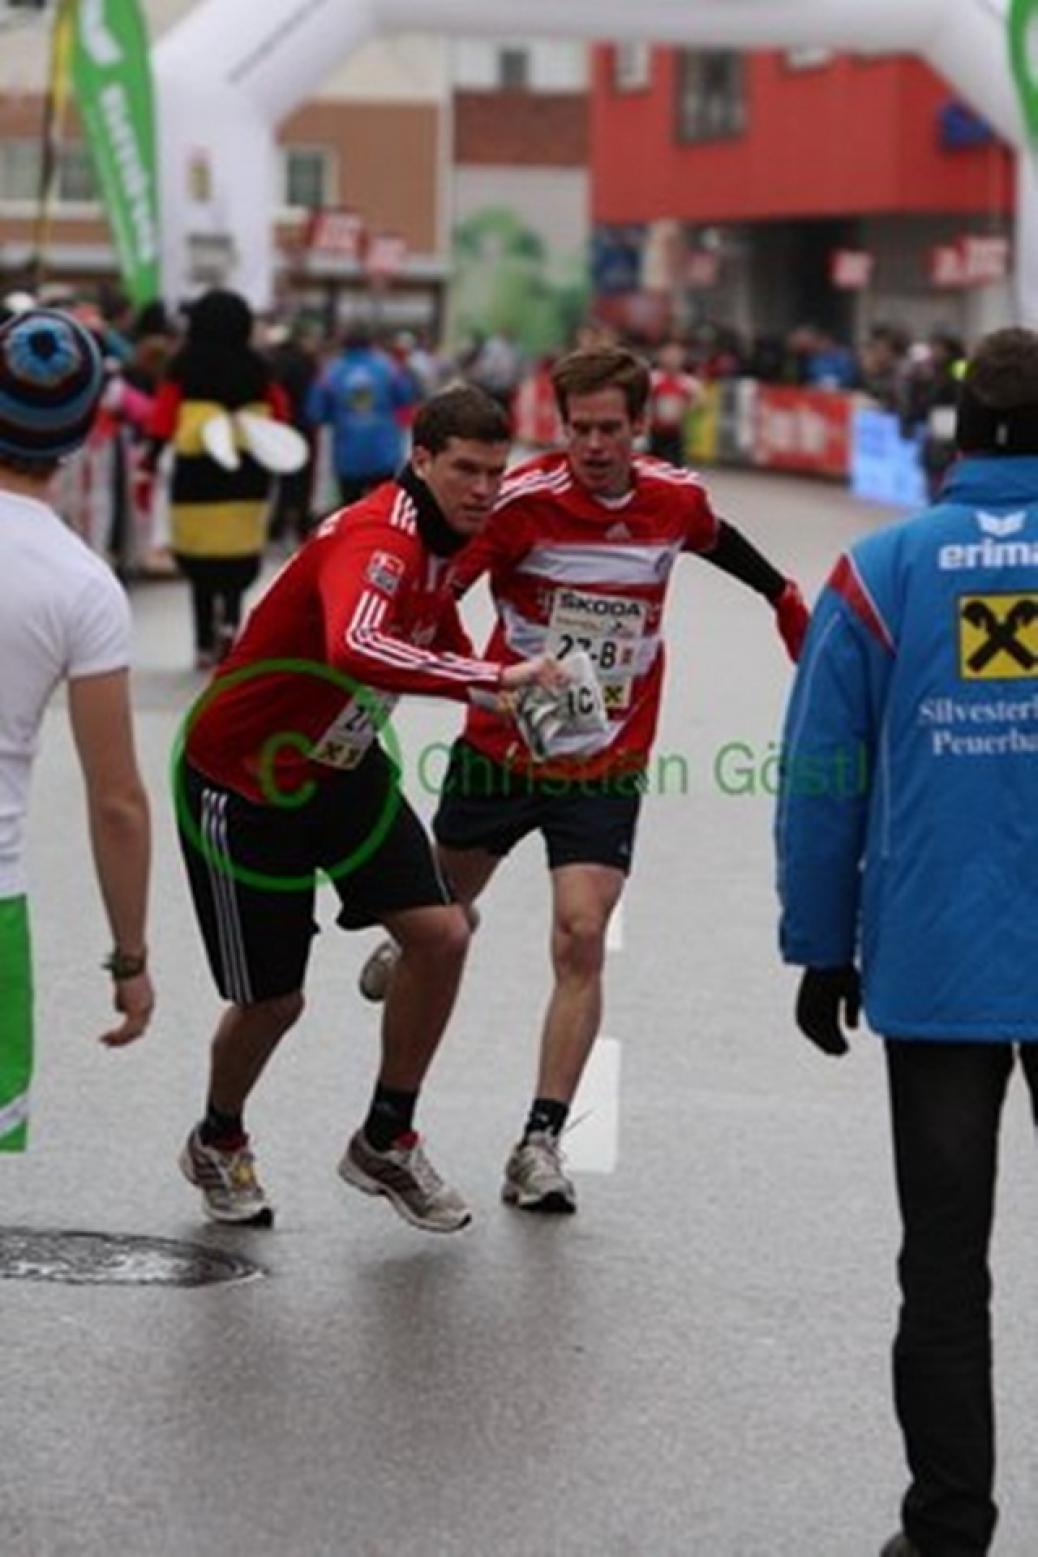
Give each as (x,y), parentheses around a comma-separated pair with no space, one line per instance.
(19,170)
(513,69)
(711,94)
(77,184)
(632,67)
(308,177)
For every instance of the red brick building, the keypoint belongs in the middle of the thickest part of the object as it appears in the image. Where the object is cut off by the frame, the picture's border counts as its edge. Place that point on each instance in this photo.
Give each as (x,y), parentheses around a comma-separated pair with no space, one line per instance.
(763,189)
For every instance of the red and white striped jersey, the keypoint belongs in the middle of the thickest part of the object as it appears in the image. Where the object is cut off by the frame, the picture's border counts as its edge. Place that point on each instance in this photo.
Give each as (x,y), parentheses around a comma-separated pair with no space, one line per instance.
(365,604)
(570,571)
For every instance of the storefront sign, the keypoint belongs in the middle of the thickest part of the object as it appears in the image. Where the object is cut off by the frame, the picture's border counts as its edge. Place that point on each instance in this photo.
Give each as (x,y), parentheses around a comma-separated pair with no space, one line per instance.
(336,232)
(385,255)
(974,260)
(851,269)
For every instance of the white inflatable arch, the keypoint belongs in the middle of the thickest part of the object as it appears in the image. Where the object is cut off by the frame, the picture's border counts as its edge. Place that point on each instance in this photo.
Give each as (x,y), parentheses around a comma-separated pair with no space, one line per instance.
(229,73)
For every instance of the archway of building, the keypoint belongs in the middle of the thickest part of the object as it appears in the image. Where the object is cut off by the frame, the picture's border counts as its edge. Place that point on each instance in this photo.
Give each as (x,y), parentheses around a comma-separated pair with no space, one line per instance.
(229,74)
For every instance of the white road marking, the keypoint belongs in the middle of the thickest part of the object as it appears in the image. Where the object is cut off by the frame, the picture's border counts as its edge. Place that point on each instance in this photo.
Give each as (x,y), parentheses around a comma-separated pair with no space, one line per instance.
(592,1142)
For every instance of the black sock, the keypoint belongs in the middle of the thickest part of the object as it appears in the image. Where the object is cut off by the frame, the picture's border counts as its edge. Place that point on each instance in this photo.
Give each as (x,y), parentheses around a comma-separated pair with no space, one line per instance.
(389,1116)
(546,1115)
(217,1127)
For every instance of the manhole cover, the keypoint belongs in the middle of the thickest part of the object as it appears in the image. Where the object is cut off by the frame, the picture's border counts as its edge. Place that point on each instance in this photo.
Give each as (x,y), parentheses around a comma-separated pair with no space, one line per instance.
(115,1260)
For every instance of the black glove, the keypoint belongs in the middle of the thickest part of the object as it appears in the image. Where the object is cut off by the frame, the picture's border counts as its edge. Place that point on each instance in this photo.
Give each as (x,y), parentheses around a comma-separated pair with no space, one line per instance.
(822,993)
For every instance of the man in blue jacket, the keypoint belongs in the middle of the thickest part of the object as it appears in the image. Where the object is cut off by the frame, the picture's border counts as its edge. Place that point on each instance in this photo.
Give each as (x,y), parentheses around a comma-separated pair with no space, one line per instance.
(363,394)
(908,844)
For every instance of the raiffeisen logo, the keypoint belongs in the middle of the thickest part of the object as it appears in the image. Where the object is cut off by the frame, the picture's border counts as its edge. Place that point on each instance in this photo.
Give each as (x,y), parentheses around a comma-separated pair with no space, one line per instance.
(988,553)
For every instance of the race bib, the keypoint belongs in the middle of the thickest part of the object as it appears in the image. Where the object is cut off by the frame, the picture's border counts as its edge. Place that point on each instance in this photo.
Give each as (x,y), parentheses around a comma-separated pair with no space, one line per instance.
(609,628)
(346,741)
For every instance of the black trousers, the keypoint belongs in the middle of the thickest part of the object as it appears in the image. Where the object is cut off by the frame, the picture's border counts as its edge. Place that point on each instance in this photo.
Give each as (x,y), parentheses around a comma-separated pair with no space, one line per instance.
(946,1107)
(669,446)
(217,586)
(290,513)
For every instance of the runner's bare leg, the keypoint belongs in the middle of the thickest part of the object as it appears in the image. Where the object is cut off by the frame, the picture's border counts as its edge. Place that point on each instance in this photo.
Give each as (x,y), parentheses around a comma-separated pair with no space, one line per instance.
(433,944)
(584,897)
(245,1039)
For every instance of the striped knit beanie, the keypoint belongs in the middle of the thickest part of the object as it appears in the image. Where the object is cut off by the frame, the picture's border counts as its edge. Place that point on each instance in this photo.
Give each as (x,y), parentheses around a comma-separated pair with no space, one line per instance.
(51,377)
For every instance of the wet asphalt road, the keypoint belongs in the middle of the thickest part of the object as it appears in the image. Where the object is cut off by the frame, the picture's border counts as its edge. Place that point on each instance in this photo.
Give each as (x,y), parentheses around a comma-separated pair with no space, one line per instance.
(694,1366)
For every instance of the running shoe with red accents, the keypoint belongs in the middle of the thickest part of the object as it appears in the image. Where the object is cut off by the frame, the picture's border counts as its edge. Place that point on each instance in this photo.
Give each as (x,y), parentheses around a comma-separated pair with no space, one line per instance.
(408,1180)
(227,1180)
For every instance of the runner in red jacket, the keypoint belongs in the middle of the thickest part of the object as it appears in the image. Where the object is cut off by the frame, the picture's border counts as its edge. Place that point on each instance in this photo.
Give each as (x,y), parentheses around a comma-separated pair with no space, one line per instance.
(579,554)
(283,775)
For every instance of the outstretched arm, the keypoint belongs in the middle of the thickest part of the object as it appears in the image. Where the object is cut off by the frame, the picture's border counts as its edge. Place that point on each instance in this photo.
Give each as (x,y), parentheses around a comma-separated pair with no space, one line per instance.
(363,585)
(737,556)
(734,554)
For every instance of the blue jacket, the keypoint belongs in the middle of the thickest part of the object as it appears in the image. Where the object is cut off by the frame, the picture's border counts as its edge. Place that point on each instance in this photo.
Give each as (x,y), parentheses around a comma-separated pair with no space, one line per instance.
(360,394)
(907,825)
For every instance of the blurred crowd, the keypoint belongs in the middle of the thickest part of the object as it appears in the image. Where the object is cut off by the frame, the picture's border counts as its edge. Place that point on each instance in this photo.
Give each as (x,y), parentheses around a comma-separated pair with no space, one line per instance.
(899,371)
(167,484)
(364,388)
(916,379)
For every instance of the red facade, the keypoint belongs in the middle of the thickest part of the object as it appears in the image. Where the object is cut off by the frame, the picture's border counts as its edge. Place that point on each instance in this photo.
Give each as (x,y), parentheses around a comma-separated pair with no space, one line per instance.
(853,137)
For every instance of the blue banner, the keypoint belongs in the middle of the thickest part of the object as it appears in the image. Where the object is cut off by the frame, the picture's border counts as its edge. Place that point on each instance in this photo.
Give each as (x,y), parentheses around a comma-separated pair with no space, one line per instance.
(885,466)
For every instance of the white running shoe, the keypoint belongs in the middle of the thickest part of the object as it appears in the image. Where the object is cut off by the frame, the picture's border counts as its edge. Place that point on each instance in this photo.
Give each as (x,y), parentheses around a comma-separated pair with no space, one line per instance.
(374,977)
(409,1182)
(230,1189)
(534,1176)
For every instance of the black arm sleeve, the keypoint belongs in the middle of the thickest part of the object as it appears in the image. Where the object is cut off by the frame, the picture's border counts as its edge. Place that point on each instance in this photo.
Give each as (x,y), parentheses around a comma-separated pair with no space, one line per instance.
(734,554)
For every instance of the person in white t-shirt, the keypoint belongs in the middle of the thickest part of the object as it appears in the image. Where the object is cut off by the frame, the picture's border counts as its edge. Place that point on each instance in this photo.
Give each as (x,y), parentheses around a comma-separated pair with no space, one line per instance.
(63,618)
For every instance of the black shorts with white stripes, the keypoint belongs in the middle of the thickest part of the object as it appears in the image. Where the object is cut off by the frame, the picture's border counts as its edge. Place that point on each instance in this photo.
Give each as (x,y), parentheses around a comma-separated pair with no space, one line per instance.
(253,870)
(582,821)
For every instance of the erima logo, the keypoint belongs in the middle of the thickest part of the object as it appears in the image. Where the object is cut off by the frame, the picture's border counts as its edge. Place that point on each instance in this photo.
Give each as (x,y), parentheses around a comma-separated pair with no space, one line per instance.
(98,41)
(598,606)
(988,554)
(618,532)
(1011,524)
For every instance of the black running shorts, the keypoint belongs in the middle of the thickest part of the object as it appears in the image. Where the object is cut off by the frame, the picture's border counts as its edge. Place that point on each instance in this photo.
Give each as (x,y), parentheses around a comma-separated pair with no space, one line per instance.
(253,870)
(582,821)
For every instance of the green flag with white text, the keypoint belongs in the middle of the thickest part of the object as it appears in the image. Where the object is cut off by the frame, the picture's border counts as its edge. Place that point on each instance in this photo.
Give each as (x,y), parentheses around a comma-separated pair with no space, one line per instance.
(1023,53)
(111,76)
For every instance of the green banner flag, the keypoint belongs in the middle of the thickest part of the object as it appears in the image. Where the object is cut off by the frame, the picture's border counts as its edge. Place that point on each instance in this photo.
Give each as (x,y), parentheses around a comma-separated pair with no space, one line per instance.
(111,75)
(1023,53)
